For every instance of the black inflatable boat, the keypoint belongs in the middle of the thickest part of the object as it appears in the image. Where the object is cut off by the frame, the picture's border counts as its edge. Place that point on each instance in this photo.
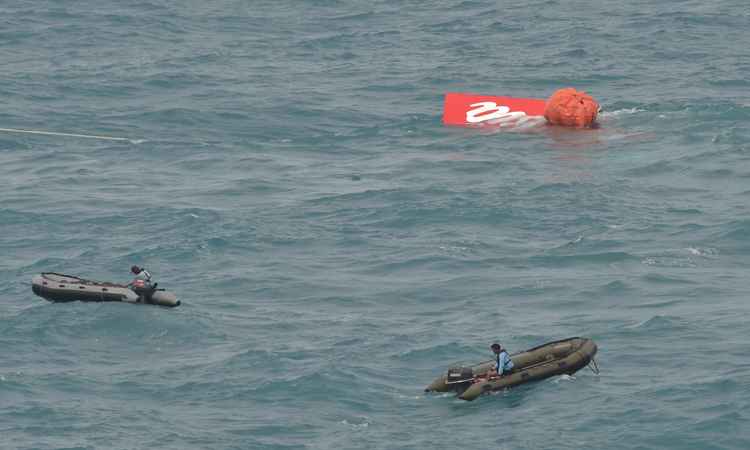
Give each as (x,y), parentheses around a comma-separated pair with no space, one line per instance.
(554,358)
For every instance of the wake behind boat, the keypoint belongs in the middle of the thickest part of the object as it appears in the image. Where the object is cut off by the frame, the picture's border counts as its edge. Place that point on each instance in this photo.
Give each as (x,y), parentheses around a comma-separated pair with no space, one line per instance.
(554,358)
(57,287)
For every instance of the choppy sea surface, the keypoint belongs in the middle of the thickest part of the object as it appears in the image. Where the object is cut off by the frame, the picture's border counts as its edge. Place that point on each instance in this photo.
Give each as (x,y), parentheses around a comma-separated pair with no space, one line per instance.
(286,173)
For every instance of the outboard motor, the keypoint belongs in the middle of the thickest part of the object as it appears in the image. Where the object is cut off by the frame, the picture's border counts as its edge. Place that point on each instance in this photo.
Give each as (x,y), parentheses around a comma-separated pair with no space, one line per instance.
(458,375)
(145,291)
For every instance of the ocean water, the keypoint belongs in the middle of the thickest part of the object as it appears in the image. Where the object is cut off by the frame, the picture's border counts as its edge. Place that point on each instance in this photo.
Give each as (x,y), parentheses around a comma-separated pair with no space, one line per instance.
(285,172)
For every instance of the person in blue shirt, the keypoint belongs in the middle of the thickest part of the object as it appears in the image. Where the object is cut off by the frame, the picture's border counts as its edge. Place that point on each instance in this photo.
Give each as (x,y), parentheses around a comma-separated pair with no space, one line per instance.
(503,364)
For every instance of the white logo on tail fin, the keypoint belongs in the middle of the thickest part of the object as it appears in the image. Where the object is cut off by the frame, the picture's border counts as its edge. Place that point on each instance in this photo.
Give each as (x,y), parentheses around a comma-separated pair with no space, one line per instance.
(495,115)
(485,111)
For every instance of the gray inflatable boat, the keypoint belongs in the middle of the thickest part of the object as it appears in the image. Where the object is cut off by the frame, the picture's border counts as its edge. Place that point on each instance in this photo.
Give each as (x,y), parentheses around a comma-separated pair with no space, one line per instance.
(57,287)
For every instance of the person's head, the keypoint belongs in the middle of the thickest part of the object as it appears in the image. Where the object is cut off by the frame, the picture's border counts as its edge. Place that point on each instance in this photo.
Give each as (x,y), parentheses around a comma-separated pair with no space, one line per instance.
(497,348)
(571,108)
(135,269)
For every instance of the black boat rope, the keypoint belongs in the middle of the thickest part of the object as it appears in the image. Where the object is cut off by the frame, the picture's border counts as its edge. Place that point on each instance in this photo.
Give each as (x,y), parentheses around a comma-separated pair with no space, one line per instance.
(593,366)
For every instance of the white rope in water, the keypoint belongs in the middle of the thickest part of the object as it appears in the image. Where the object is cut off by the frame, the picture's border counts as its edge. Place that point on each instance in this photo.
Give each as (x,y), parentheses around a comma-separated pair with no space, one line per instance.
(54,133)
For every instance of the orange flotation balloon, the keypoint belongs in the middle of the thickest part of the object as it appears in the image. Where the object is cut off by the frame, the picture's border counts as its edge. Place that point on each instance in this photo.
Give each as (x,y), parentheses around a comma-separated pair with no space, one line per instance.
(571,108)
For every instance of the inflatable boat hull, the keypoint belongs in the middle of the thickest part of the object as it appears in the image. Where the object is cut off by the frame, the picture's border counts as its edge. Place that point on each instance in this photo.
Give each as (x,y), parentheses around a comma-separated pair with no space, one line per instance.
(57,287)
(555,358)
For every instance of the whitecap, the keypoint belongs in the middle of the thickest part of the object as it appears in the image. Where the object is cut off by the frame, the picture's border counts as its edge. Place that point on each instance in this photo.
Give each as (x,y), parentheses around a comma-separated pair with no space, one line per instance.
(356,423)
(705,252)
(563,377)
(619,112)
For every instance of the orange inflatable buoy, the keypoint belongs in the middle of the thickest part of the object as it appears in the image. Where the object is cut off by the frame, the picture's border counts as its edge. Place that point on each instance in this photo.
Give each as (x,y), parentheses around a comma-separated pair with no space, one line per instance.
(571,108)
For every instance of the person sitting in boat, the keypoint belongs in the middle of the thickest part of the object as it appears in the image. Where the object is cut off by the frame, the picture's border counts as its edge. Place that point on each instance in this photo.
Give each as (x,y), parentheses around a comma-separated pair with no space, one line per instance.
(503,364)
(142,277)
